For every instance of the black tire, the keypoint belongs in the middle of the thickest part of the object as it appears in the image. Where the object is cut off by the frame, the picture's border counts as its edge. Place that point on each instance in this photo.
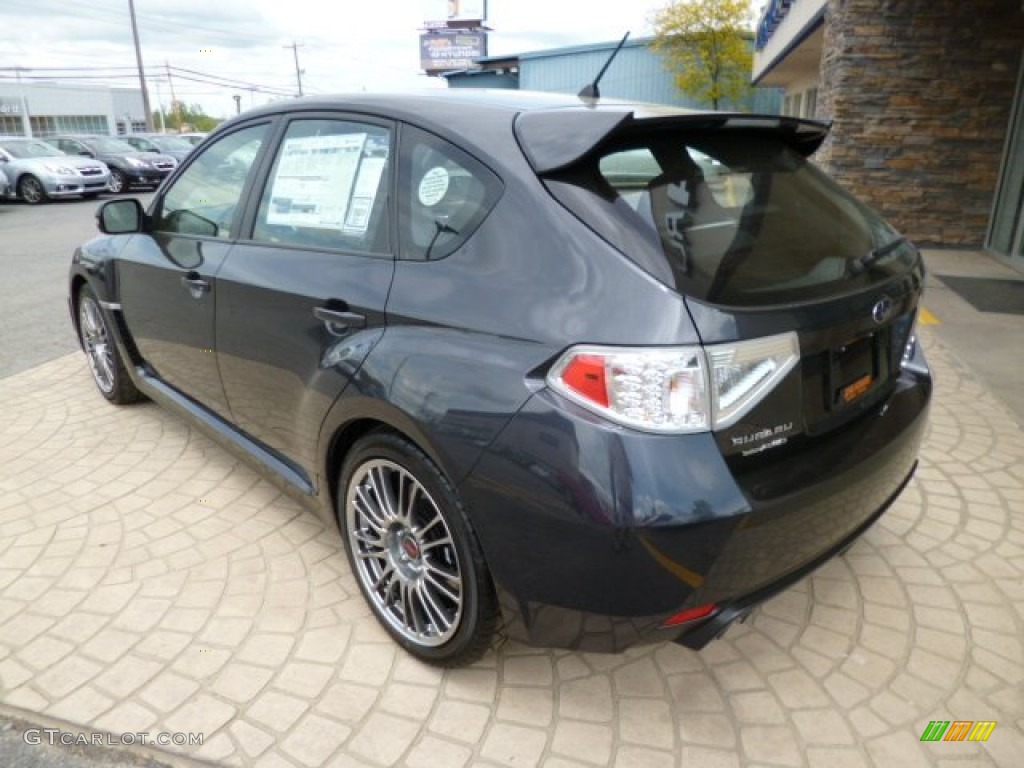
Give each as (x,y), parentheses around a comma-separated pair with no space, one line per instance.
(118,183)
(105,363)
(31,190)
(434,558)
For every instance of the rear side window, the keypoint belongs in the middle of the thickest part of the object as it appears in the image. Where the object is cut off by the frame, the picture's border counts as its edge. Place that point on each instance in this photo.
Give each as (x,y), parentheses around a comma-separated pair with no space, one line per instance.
(444,195)
(730,217)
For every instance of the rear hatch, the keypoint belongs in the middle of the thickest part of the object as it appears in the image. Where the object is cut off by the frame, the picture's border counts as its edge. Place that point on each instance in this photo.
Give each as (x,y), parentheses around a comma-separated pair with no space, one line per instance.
(728,211)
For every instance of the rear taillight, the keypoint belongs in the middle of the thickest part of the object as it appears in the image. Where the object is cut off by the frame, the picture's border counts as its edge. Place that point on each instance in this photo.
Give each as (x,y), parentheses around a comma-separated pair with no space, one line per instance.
(744,372)
(675,389)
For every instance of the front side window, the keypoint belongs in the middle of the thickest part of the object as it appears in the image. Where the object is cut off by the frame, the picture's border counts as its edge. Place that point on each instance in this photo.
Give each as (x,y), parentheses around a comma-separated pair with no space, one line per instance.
(444,195)
(328,188)
(204,199)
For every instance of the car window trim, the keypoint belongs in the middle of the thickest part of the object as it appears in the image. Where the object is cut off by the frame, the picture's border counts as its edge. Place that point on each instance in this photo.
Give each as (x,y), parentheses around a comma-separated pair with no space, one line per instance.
(155,206)
(248,221)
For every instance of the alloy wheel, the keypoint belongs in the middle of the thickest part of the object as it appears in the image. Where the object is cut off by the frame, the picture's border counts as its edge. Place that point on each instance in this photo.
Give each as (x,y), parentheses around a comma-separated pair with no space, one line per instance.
(97,343)
(404,553)
(32,191)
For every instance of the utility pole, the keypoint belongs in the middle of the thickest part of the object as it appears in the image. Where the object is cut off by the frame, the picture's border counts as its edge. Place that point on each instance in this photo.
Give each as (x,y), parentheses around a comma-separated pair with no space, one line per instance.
(298,72)
(142,74)
(159,107)
(174,101)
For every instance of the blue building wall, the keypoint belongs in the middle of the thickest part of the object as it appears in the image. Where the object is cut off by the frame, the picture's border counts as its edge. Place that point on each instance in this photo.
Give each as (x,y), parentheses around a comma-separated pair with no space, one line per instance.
(484,79)
(637,74)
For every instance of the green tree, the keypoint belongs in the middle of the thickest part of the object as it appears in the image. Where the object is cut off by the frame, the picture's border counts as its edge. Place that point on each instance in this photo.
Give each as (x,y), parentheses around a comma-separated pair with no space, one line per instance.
(707,44)
(184,117)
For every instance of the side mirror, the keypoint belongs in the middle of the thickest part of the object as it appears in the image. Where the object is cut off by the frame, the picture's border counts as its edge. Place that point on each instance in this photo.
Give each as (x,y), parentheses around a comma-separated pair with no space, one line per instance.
(120,217)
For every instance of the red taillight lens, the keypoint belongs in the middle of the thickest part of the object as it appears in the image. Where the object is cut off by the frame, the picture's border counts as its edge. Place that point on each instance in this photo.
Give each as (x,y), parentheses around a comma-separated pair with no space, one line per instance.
(585,375)
(690,614)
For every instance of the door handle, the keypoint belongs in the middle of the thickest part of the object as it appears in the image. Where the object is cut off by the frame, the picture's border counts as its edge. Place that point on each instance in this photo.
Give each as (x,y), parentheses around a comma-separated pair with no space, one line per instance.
(339,317)
(195,284)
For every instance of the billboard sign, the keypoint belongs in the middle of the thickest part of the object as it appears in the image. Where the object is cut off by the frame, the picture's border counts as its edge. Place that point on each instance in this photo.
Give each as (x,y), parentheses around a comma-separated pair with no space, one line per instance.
(455,10)
(451,49)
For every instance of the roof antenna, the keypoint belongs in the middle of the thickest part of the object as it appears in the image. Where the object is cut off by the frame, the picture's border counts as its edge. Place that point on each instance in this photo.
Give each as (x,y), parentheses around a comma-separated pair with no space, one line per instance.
(590,90)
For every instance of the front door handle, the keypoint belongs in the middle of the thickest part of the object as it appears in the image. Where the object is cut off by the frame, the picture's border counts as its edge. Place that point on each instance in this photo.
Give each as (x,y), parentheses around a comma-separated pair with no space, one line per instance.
(339,317)
(195,284)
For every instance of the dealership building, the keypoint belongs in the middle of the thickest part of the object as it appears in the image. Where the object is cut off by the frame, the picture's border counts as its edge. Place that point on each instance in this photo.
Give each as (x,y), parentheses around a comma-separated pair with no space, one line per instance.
(46,109)
(926,100)
(637,73)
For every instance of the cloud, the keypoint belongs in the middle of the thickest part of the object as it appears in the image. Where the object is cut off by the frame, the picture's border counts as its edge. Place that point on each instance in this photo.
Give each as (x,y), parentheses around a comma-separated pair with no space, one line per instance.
(347,45)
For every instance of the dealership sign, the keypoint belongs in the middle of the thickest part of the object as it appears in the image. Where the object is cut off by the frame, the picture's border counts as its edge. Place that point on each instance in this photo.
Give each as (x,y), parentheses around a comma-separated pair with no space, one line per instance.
(451,49)
(455,10)
(8,107)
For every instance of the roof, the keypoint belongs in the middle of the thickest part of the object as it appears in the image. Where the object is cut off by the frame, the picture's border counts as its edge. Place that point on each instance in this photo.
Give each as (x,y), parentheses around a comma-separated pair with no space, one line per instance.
(496,99)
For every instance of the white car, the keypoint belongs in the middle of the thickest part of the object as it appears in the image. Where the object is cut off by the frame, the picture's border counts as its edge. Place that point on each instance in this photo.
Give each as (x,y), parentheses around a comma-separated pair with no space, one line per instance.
(37,171)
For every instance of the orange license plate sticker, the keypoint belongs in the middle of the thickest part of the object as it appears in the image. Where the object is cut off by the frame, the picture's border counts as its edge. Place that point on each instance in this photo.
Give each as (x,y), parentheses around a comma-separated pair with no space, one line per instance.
(852,391)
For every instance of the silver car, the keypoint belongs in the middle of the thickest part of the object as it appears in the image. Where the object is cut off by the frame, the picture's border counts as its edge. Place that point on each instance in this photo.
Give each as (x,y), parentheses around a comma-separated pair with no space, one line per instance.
(37,171)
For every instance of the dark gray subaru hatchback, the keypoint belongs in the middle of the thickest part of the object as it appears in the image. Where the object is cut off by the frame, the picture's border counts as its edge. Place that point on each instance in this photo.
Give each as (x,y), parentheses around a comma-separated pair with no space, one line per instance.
(605,373)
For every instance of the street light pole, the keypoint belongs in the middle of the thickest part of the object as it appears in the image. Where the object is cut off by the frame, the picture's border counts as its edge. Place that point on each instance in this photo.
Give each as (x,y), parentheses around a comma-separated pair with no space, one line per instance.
(298,72)
(142,74)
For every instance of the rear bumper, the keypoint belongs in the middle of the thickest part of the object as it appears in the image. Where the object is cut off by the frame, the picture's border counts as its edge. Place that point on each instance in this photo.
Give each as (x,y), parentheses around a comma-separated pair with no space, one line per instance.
(596,535)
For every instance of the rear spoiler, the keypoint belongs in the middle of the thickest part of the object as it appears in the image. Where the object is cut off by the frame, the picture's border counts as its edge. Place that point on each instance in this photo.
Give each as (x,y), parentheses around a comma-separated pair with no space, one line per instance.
(557,138)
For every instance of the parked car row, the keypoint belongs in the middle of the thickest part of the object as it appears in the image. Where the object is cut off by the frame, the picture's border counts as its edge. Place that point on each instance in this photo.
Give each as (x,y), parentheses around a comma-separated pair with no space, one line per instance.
(71,165)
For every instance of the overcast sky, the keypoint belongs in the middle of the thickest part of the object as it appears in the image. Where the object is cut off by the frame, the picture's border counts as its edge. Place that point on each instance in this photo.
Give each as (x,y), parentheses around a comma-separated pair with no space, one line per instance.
(348,45)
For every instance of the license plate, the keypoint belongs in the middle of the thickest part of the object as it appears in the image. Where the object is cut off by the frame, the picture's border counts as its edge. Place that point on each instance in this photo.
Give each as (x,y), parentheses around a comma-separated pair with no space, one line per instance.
(854,370)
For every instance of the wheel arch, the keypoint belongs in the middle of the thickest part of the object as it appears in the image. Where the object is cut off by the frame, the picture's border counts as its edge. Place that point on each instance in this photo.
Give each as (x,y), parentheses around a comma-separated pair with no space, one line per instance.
(359,419)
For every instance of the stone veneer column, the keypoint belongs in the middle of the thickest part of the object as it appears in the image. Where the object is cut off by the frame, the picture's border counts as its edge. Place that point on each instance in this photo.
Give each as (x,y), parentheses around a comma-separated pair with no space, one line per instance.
(920,93)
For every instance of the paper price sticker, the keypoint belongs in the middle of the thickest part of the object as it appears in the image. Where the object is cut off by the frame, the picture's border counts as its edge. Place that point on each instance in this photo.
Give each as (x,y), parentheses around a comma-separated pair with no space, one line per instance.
(433,186)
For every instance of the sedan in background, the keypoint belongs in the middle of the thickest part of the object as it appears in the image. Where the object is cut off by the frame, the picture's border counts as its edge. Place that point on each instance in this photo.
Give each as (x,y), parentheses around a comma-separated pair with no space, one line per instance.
(37,171)
(615,372)
(159,143)
(193,138)
(128,166)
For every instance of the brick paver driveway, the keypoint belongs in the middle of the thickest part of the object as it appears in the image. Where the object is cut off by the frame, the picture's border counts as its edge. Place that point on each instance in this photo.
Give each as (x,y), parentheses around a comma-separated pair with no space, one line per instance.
(150,582)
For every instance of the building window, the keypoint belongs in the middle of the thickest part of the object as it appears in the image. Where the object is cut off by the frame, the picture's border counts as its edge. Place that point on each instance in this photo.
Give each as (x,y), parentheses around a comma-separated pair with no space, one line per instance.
(810,102)
(10,125)
(43,126)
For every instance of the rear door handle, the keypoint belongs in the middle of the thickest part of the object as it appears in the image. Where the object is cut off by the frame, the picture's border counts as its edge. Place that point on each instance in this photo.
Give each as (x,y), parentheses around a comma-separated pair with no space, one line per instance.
(195,284)
(336,317)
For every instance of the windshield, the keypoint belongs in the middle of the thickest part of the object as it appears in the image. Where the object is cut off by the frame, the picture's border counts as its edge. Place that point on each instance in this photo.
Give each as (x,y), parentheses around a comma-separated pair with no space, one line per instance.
(170,142)
(24,150)
(110,146)
(733,218)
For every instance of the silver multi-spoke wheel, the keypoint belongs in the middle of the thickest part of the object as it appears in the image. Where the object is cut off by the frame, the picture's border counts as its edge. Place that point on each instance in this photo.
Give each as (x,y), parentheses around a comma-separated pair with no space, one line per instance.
(97,344)
(31,190)
(404,554)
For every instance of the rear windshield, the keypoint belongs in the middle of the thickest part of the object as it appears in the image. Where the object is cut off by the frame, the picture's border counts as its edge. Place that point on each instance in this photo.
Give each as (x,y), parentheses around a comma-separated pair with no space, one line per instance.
(731,217)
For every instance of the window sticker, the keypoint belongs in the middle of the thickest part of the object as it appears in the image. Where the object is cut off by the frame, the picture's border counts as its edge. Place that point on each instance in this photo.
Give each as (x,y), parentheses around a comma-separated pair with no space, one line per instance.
(433,186)
(365,190)
(314,181)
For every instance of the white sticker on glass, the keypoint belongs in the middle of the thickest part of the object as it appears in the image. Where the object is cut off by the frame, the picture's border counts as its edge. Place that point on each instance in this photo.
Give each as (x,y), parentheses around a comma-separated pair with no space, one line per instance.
(313,184)
(433,186)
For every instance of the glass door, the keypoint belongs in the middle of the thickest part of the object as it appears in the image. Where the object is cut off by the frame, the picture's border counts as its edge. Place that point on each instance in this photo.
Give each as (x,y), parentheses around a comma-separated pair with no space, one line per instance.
(1006,235)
